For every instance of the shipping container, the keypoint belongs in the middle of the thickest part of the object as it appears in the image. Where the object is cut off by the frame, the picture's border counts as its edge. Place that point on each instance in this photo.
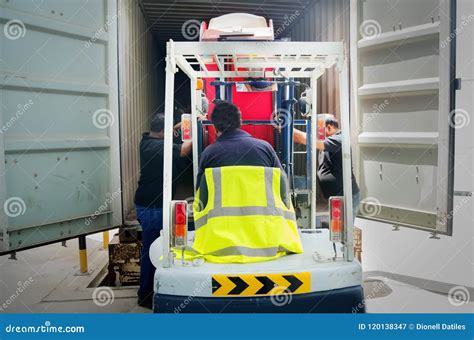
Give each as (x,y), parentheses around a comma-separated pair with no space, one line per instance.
(413,101)
(81,79)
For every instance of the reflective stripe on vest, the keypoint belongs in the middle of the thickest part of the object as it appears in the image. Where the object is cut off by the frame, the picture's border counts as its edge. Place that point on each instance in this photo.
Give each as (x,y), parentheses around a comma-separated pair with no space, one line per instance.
(218,210)
(246,251)
(244,211)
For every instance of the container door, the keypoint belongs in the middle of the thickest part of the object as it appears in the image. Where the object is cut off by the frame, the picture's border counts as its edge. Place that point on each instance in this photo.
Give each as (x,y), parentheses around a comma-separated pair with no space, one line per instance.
(59,151)
(401,51)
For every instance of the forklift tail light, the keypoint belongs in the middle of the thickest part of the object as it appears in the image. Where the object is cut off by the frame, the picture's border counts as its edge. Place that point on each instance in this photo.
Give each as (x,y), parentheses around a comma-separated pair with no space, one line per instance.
(180,222)
(336,221)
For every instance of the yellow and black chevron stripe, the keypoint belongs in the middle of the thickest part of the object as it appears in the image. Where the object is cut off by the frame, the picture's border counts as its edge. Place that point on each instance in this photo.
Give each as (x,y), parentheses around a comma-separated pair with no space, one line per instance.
(260,284)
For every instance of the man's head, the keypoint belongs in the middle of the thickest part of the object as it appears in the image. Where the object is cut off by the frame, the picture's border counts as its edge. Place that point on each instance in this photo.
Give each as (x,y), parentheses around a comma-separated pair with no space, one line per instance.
(157,124)
(226,117)
(332,126)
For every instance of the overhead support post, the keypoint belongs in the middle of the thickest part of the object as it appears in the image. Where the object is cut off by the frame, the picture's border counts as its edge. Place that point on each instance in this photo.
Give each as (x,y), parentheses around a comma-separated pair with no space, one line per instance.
(285,113)
(194,128)
(168,152)
(314,141)
(346,158)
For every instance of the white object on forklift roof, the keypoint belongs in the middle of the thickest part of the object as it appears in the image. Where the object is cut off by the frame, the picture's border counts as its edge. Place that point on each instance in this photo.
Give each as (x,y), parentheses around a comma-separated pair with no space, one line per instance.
(238,25)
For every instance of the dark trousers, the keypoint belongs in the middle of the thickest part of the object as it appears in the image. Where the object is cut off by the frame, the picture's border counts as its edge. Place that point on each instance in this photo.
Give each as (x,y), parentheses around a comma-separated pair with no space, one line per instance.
(151,220)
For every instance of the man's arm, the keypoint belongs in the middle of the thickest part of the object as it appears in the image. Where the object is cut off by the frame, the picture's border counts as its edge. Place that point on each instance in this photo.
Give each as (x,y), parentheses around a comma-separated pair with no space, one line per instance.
(186,148)
(299,137)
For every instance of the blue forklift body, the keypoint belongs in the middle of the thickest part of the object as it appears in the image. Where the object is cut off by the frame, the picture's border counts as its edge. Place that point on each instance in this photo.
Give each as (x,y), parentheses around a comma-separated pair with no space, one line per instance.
(344,300)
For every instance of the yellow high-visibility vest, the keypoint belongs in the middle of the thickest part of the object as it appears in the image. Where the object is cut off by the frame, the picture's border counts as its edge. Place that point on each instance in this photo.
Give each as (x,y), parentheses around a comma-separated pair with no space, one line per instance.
(245,219)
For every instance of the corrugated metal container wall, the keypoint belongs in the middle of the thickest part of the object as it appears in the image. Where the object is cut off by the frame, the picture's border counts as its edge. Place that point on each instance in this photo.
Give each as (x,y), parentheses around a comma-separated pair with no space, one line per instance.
(325,20)
(139,61)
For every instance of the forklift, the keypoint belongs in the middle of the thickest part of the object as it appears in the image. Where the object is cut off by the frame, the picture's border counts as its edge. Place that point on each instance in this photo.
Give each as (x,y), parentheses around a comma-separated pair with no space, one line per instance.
(246,65)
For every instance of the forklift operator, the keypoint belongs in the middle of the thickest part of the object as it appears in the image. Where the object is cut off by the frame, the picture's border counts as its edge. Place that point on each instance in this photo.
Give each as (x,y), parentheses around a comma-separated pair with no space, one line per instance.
(330,163)
(234,146)
(149,199)
(247,218)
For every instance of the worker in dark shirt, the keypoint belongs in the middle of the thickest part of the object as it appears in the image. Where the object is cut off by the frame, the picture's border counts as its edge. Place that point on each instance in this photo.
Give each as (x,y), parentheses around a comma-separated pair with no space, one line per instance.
(234,146)
(149,198)
(330,163)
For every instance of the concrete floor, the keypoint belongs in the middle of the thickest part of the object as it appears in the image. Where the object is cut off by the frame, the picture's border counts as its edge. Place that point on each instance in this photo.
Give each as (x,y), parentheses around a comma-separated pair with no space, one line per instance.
(45,280)
(405,298)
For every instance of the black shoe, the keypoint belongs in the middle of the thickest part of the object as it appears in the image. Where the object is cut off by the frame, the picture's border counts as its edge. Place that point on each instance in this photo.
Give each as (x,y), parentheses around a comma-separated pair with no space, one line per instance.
(146,302)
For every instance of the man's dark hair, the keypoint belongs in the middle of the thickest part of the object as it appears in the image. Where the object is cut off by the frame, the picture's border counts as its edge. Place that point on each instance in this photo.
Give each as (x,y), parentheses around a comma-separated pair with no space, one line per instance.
(157,122)
(226,116)
(333,122)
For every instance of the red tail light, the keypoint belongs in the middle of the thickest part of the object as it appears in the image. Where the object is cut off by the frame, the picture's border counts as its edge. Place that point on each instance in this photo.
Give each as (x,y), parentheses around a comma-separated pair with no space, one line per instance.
(180,223)
(336,223)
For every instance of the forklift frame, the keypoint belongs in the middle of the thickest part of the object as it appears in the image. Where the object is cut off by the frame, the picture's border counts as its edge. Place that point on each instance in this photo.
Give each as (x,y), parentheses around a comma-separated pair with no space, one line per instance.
(257,59)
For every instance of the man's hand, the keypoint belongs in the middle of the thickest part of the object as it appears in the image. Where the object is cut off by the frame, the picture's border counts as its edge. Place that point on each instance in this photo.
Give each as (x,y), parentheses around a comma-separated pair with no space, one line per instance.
(299,137)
